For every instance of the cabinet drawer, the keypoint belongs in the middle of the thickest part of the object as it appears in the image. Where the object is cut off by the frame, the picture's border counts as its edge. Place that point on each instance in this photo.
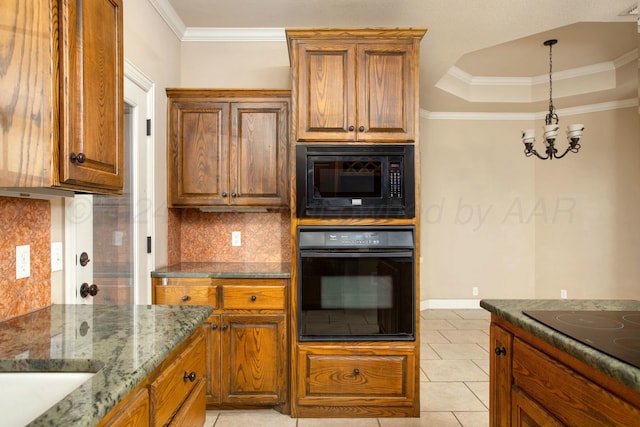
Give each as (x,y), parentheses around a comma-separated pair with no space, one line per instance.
(253,297)
(186,295)
(172,387)
(572,398)
(193,412)
(338,378)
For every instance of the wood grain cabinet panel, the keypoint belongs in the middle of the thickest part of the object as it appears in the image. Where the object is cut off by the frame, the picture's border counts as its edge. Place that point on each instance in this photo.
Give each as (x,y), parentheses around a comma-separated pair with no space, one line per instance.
(535,384)
(245,350)
(355,85)
(176,383)
(228,148)
(135,413)
(254,355)
(62,95)
(501,380)
(349,375)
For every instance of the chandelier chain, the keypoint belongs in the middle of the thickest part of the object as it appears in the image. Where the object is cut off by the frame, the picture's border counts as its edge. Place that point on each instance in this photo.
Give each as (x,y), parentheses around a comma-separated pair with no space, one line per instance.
(550,78)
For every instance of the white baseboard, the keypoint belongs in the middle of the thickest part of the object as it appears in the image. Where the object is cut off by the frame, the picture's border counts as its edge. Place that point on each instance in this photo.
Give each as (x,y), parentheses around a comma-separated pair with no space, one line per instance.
(449,304)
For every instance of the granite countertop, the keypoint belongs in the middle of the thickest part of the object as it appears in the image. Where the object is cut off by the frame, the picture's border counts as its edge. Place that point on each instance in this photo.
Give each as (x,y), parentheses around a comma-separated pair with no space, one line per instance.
(512,311)
(123,344)
(226,270)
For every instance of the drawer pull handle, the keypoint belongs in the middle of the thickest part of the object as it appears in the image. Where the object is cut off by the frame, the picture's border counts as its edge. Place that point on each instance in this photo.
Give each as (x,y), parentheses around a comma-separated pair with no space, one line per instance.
(253,297)
(500,351)
(224,327)
(185,298)
(356,371)
(189,377)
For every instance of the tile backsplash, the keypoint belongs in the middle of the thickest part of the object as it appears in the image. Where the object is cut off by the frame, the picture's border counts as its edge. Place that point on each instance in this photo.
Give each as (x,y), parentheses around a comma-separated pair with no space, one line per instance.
(196,236)
(24,222)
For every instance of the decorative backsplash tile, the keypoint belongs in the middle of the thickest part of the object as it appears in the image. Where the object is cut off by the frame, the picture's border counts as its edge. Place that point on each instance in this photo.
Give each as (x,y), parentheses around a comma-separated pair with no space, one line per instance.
(206,236)
(24,222)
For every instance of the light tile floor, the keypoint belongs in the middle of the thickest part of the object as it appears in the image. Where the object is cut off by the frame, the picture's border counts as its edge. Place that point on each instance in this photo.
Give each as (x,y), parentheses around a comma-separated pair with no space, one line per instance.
(454,380)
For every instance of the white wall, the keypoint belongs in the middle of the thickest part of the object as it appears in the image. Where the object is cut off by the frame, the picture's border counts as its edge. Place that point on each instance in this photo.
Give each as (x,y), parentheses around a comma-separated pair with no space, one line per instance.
(518,227)
(152,47)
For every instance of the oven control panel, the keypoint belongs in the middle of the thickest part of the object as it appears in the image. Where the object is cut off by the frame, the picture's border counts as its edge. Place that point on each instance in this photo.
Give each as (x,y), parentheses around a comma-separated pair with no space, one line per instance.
(359,238)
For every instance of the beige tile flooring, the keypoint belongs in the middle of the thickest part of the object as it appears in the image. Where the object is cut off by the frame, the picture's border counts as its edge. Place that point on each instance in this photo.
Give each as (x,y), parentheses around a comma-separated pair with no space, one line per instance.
(454,383)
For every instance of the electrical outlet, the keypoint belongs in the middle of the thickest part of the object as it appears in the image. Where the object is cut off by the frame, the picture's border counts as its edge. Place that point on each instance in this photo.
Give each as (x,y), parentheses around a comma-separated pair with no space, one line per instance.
(56,256)
(236,238)
(563,293)
(475,291)
(23,261)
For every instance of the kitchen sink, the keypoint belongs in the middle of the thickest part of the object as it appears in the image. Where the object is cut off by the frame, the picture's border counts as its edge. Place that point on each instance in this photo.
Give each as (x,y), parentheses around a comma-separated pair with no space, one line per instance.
(26,395)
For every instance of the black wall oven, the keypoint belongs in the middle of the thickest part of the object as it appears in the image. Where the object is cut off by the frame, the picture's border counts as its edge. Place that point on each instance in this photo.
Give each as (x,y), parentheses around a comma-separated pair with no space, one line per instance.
(356,283)
(357,181)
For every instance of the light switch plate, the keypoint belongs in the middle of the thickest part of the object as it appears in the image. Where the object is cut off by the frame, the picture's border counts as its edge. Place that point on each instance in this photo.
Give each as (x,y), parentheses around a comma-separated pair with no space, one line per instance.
(56,256)
(23,261)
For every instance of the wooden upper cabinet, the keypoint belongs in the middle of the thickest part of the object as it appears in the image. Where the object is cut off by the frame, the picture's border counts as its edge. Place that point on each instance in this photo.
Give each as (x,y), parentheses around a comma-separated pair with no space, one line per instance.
(228,148)
(355,85)
(198,151)
(92,105)
(258,154)
(62,95)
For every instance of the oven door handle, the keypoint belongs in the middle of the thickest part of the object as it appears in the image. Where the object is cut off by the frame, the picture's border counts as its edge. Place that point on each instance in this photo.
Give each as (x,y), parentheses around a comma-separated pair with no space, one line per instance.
(326,254)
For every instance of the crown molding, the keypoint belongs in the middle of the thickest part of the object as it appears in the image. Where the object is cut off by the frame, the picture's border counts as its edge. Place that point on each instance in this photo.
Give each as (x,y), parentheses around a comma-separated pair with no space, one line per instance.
(169,15)
(205,34)
(473,88)
(498,116)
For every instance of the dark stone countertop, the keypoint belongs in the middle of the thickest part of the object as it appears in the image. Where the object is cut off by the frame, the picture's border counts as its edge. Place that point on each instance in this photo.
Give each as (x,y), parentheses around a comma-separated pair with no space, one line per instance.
(123,344)
(512,312)
(225,270)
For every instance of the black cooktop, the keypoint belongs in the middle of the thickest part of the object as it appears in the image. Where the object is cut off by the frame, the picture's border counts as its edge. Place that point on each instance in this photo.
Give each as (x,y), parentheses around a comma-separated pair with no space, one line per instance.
(616,333)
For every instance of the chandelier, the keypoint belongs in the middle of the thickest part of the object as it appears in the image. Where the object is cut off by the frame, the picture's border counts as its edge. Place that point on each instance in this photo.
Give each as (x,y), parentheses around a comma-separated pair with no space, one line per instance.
(574,132)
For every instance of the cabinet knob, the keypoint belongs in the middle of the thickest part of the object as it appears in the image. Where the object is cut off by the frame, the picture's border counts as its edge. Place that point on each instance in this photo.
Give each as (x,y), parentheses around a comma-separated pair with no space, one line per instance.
(93,290)
(189,377)
(253,297)
(500,351)
(214,326)
(361,128)
(224,327)
(234,195)
(77,158)
(356,371)
(224,194)
(185,298)
(352,128)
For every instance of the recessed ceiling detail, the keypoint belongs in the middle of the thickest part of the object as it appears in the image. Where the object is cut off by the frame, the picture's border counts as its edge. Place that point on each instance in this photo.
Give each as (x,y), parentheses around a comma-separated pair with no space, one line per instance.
(572,82)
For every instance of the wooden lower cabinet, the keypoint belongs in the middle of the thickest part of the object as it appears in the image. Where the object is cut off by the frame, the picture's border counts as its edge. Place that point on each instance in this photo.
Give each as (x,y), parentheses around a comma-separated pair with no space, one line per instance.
(246,344)
(355,380)
(247,363)
(173,394)
(535,384)
(133,413)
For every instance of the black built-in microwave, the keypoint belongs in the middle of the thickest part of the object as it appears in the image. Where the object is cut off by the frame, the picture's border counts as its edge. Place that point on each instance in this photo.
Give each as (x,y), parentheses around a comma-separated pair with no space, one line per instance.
(357,181)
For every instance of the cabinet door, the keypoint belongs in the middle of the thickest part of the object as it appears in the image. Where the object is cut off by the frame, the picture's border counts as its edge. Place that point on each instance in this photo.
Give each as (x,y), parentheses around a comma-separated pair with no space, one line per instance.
(198,153)
(212,358)
(254,358)
(134,413)
(326,91)
(527,413)
(501,345)
(91,112)
(258,157)
(386,86)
